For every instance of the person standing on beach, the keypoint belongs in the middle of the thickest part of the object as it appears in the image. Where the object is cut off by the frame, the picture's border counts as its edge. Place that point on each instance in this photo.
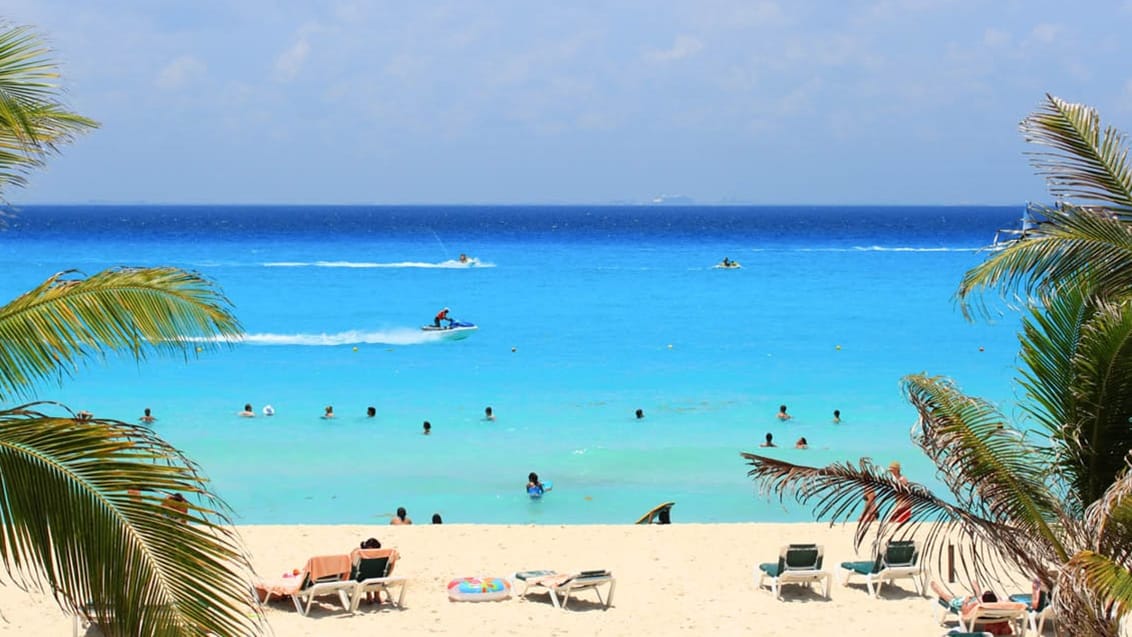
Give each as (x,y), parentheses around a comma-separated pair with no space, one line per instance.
(902,512)
(782,415)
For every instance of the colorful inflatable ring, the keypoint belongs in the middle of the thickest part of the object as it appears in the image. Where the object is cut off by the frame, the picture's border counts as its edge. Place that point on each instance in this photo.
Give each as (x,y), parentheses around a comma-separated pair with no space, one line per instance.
(478,589)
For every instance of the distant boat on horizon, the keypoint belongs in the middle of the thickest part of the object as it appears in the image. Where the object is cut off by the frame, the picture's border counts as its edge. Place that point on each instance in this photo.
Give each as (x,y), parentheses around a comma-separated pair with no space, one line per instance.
(673,200)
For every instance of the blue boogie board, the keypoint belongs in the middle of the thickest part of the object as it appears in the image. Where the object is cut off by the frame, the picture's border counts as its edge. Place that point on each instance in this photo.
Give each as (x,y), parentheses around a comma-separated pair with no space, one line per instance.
(536,493)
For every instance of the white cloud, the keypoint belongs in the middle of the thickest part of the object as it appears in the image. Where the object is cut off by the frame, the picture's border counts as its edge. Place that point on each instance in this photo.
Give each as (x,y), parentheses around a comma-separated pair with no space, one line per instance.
(290,62)
(684,46)
(1045,33)
(180,72)
(996,37)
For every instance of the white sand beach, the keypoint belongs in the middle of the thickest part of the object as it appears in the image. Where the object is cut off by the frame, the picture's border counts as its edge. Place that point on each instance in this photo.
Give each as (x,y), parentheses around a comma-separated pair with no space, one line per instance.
(694,579)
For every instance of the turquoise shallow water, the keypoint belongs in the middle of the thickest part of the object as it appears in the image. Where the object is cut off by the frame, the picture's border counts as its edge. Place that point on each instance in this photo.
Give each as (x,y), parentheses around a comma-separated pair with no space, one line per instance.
(585,315)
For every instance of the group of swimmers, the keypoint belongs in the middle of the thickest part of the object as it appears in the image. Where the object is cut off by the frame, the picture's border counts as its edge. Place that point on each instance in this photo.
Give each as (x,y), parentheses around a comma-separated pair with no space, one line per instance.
(328,413)
(783,415)
(801,443)
(402,517)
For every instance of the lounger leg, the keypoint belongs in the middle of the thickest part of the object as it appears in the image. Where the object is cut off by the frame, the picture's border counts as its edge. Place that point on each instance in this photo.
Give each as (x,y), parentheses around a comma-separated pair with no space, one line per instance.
(298,604)
(609,594)
(828,581)
(565,599)
(344,598)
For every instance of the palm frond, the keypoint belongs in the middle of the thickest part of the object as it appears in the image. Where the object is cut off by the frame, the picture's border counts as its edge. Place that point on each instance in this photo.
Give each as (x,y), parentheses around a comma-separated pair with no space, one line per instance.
(68,518)
(1049,341)
(47,330)
(1088,247)
(33,122)
(1107,523)
(1106,579)
(989,467)
(1095,435)
(1083,162)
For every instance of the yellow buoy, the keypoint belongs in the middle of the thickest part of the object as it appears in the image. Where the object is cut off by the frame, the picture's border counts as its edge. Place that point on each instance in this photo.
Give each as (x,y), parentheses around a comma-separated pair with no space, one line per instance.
(355,348)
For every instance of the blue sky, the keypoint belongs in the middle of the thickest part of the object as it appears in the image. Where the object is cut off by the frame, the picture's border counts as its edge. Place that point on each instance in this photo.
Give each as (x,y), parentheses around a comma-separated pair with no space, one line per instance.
(787,102)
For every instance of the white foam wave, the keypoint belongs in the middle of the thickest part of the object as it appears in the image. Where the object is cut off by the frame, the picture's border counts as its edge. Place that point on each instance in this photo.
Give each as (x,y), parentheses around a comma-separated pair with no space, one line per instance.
(451,264)
(396,336)
(887,249)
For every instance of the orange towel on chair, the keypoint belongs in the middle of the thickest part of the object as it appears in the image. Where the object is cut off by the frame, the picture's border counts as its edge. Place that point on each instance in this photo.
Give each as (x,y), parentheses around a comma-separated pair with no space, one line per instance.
(315,569)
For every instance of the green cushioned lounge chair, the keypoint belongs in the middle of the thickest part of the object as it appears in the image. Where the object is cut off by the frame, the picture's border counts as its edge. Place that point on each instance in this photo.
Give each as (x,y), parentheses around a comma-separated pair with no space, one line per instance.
(797,564)
(900,559)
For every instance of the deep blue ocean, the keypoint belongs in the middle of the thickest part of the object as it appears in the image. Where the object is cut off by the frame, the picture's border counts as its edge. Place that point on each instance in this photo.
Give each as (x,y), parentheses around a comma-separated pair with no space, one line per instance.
(585,314)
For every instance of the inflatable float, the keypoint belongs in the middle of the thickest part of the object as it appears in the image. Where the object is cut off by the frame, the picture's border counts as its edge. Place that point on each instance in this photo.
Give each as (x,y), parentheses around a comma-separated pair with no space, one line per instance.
(479,589)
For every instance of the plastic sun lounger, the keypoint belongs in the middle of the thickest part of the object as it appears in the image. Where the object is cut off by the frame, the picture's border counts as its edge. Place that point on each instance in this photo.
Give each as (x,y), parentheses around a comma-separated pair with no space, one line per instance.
(564,585)
(797,564)
(324,575)
(899,560)
(371,569)
(951,603)
(990,612)
(1039,615)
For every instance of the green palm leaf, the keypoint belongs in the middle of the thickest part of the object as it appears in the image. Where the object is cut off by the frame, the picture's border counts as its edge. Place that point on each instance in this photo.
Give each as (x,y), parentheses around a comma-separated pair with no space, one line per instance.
(989,467)
(140,568)
(1096,436)
(1083,162)
(33,123)
(1106,578)
(49,329)
(1079,245)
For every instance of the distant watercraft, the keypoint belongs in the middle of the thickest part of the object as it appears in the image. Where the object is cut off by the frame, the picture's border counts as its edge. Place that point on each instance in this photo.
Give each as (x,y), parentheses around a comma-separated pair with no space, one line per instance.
(728,265)
(1006,237)
(454,331)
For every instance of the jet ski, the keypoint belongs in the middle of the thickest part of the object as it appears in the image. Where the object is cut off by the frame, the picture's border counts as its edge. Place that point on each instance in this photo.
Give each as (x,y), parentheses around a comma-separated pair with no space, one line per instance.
(454,331)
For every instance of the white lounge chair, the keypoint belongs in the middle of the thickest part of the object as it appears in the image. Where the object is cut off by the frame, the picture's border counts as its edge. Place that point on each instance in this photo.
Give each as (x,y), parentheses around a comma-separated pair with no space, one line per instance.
(993,612)
(797,564)
(323,575)
(1037,613)
(899,560)
(564,585)
(371,569)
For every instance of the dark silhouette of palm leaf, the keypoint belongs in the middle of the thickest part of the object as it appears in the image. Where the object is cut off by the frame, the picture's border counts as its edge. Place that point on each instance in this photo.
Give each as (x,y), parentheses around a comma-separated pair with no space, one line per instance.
(120,556)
